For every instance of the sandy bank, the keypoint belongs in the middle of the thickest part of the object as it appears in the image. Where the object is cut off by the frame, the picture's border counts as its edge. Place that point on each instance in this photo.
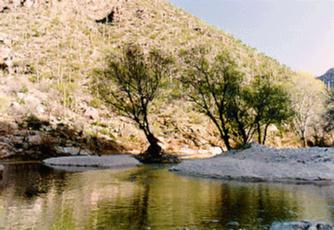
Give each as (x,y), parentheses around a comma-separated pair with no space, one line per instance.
(260,163)
(93,161)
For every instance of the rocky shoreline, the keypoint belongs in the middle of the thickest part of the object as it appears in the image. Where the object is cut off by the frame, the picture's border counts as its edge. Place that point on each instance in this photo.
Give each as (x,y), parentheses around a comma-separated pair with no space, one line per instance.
(261,163)
(36,139)
(300,225)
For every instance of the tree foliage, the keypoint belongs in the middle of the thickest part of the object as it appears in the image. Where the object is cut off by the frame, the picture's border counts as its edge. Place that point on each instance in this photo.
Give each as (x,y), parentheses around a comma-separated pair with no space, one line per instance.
(269,103)
(131,82)
(211,87)
(308,100)
(217,89)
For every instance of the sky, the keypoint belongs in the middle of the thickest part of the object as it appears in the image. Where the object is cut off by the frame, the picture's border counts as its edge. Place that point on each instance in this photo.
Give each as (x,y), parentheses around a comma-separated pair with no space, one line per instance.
(298,33)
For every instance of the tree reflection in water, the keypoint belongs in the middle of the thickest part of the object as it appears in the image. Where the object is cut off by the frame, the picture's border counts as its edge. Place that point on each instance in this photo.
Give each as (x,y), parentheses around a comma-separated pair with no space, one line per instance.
(34,196)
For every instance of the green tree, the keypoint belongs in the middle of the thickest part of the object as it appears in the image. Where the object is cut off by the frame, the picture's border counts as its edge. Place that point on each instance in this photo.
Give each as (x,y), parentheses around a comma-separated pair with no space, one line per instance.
(130,83)
(269,103)
(239,112)
(214,87)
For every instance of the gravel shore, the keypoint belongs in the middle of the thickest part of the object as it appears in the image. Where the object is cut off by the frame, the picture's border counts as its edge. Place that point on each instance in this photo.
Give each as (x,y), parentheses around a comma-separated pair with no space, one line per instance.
(112,161)
(260,163)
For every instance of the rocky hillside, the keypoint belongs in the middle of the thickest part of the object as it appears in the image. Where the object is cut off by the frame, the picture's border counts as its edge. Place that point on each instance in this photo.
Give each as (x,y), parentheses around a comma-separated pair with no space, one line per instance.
(49,51)
(328,78)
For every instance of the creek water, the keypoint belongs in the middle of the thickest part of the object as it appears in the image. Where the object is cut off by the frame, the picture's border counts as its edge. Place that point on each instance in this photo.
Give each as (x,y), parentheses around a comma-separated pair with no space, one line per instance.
(33,196)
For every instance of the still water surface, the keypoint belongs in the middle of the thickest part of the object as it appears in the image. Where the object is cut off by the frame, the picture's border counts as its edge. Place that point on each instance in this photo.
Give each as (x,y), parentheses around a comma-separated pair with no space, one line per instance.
(33,196)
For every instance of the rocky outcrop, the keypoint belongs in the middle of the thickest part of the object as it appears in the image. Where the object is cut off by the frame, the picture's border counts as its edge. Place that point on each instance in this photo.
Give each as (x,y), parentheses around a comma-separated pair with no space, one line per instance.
(34,139)
(7,5)
(6,55)
(328,78)
(109,19)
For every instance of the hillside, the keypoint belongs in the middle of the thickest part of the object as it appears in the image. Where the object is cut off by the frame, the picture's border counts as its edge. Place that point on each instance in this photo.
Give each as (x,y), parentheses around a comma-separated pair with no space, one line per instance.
(50,49)
(328,78)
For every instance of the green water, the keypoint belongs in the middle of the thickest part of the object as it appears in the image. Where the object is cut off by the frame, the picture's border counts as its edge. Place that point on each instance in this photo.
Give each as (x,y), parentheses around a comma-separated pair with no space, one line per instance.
(36,197)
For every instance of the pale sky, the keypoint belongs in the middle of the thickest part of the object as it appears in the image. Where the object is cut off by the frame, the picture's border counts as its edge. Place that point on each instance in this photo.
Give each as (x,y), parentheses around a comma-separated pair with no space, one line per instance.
(298,33)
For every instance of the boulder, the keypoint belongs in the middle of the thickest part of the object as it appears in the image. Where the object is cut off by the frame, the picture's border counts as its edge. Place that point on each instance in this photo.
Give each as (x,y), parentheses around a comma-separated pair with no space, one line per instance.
(18,142)
(91,113)
(4,39)
(216,150)
(3,7)
(27,3)
(73,151)
(6,150)
(35,140)
(33,101)
(6,59)
(233,224)
(300,225)
(108,19)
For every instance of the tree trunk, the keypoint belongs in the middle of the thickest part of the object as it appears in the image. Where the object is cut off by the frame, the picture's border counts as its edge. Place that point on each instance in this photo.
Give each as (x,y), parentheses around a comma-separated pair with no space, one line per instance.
(303,138)
(154,153)
(242,132)
(223,131)
(303,142)
(265,134)
(226,140)
(154,150)
(259,134)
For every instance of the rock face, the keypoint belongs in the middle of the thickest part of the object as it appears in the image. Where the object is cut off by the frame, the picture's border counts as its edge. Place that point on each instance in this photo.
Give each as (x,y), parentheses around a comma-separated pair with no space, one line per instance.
(35,139)
(303,225)
(328,78)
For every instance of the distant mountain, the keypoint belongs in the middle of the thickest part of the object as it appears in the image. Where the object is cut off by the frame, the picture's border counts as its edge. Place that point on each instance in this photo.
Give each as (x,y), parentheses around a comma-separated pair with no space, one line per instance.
(328,78)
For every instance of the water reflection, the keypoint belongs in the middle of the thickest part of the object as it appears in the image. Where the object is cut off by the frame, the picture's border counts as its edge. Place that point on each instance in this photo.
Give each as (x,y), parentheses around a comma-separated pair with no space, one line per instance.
(36,197)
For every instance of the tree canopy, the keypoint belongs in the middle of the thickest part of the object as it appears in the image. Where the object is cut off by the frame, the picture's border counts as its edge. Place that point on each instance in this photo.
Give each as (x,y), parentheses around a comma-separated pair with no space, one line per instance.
(239,111)
(130,83)
(269,104)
